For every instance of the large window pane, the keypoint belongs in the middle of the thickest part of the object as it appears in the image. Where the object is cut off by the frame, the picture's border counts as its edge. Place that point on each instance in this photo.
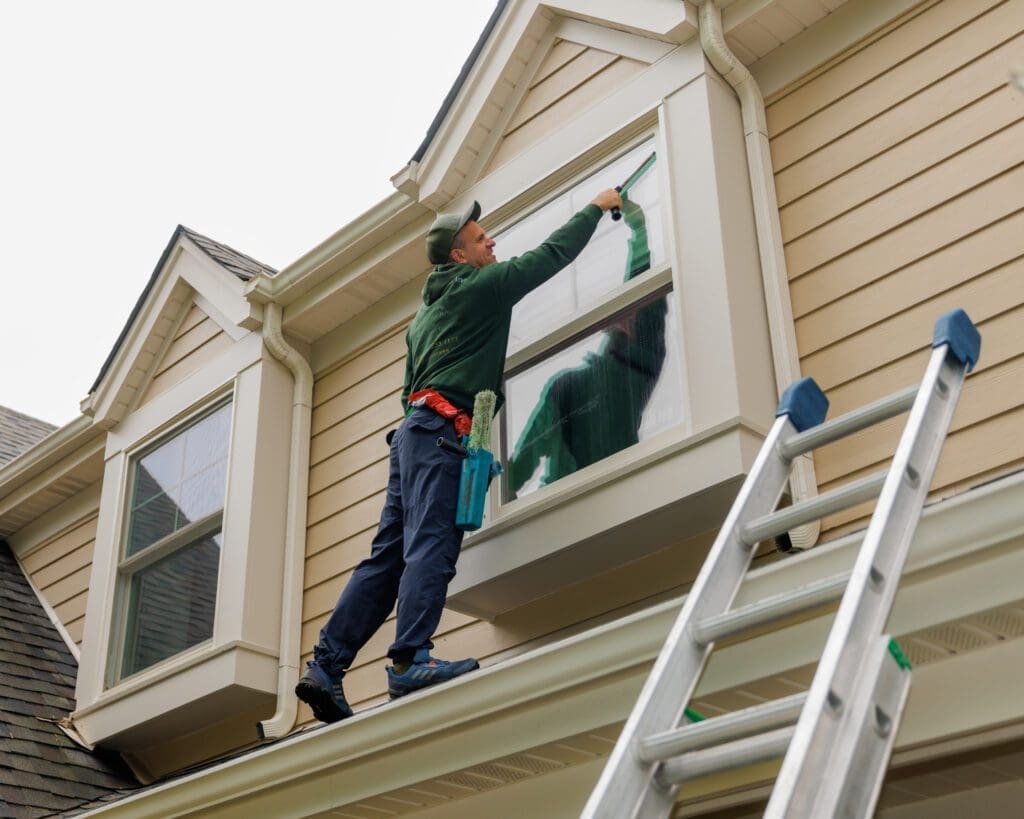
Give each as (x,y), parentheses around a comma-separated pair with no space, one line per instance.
(171,604)
(617,252)
(617,386)
(179,481)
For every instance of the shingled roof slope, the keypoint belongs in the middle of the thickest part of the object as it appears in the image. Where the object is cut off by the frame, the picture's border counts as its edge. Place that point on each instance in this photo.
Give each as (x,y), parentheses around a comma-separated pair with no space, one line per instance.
(19,432)
(42,773)
(236,262)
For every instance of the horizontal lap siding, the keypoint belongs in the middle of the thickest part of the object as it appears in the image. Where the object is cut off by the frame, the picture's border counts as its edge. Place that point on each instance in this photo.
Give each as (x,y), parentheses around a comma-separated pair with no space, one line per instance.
(197,341)
(899,172)
(60,569)
(570,79)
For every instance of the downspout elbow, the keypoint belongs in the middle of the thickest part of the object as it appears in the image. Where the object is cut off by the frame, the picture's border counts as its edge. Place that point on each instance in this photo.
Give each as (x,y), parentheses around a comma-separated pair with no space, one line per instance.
(803,482)
(289,654)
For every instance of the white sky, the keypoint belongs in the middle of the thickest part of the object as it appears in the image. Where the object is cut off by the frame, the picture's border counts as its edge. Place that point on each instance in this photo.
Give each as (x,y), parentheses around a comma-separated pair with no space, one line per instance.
(263,125)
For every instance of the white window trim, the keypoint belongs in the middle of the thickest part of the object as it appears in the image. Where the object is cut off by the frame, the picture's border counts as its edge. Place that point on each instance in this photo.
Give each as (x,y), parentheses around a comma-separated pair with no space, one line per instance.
(129,566)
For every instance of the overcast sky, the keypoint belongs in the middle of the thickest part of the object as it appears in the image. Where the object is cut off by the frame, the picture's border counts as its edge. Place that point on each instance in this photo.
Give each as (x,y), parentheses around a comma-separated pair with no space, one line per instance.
(264,125)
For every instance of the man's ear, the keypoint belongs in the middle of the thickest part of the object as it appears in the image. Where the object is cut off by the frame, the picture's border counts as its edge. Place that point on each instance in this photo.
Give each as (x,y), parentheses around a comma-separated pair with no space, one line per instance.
(457,256)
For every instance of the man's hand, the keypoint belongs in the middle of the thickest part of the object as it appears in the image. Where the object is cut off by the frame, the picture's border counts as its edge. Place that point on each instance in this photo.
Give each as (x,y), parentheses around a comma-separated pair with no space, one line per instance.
(606,200)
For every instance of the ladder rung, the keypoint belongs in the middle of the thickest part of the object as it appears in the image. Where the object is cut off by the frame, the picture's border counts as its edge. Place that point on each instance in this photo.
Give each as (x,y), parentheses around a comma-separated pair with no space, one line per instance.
(854,421)
(736,754)
(789,518)
(697,735)
(770,609)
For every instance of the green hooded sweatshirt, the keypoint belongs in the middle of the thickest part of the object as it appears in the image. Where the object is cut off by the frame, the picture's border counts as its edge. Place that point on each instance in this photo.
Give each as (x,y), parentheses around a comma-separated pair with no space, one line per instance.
(457,341)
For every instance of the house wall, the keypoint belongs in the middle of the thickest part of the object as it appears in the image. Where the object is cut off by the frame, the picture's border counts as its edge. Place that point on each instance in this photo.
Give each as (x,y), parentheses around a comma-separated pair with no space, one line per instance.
(899,167)
(197,341)
(59,564)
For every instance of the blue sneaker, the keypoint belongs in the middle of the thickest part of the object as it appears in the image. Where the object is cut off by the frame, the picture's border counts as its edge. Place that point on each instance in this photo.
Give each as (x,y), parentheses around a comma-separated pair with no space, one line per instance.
(323,694)
(425,671)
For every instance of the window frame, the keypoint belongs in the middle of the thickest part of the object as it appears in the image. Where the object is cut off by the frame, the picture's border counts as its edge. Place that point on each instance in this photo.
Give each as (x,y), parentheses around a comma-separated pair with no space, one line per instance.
(127,567)
(660,278)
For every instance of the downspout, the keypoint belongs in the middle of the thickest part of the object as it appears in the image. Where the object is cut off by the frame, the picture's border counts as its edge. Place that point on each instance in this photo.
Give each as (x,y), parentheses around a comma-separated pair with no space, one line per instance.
(803,484)
(295,532)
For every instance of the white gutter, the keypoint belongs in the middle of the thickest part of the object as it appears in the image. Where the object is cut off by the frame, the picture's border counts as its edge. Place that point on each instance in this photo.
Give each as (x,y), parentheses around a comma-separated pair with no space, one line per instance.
(786,359)
(58,443)
(262,288)
(295,532)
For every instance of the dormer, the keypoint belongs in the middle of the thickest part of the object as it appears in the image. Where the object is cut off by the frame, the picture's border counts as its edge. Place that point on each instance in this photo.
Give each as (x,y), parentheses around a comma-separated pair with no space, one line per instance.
(182,624)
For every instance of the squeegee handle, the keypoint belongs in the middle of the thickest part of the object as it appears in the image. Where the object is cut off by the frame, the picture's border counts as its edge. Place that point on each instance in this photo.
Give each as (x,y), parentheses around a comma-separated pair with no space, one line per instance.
(616,213)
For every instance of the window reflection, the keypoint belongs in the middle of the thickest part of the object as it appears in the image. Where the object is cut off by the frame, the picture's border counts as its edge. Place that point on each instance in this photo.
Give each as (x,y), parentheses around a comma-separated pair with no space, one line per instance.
(598,270)
(171,604)
(180,481)
(614,388)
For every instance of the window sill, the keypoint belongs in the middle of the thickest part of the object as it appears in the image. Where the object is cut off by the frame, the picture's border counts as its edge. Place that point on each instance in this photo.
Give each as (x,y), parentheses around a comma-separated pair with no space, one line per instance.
(187,693)
(633,504)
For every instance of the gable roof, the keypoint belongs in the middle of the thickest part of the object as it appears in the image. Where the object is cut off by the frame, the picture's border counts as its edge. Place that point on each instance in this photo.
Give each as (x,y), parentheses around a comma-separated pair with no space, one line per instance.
(19,432)
(43,771)
(239,264)
(453,92)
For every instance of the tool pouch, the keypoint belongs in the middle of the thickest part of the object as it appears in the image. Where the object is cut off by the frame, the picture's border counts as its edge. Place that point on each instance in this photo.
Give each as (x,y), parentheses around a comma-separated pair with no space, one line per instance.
(478,470)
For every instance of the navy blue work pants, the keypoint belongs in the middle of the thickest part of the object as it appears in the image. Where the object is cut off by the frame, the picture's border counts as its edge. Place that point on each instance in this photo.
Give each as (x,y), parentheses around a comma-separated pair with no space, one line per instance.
(412,558)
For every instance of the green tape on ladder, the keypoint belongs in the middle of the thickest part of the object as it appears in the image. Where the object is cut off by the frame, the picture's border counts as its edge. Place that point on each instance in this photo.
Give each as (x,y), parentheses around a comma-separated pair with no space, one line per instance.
(899,656)
(693,716)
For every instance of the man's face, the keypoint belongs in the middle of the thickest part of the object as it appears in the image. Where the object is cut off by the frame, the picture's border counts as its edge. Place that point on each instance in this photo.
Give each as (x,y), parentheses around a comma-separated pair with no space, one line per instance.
(476,247)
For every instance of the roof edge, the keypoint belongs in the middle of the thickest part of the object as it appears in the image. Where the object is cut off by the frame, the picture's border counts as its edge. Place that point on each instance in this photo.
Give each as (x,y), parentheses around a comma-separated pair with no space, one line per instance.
(59,442)
(453,92)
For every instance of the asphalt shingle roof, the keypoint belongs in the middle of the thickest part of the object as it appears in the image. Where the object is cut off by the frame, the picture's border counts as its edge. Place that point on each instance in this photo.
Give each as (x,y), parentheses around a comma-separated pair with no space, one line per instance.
(42,772)
(19,432)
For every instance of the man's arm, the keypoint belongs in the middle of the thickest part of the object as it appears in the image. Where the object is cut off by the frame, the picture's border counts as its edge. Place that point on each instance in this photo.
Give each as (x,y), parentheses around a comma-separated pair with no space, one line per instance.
(518,276)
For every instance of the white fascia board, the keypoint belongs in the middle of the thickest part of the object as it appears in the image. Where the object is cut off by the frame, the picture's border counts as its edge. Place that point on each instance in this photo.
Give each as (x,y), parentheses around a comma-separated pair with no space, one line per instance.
(163,304)
(503,45)
(563,685)
(220,293)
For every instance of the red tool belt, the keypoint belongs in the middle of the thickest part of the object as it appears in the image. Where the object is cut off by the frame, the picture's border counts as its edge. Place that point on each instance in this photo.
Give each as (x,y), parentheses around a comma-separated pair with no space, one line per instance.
(443,407)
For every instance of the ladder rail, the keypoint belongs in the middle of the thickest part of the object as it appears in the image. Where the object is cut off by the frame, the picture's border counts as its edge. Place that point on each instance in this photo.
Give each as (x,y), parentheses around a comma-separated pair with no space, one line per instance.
(626,786)
(868,600)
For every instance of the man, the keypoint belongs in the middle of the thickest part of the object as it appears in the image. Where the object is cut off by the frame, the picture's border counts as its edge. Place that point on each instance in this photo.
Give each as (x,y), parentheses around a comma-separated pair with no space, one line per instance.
(456,348)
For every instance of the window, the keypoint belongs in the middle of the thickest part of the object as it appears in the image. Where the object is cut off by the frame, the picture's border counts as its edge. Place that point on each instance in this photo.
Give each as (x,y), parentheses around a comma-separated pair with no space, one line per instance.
(594,352)
(169,567)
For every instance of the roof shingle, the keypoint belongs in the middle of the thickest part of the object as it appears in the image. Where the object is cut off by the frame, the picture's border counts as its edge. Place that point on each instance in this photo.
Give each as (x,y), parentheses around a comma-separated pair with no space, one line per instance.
(19,432)
(43,772)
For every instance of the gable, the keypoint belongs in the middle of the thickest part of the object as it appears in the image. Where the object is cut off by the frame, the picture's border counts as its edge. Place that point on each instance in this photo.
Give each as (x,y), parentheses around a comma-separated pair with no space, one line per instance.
(193,307)
(198,338)
(544,62)
(572,77)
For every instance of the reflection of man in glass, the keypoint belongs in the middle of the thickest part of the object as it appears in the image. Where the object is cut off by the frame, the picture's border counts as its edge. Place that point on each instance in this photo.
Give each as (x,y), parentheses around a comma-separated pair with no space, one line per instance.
(588,412)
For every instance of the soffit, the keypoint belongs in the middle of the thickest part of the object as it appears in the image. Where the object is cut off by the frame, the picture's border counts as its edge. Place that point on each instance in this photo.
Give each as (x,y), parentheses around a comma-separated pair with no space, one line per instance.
(755,28)
(57,468)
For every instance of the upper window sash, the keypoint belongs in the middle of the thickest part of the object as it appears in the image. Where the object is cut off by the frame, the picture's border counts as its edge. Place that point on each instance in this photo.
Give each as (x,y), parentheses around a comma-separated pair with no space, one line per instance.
(618,252)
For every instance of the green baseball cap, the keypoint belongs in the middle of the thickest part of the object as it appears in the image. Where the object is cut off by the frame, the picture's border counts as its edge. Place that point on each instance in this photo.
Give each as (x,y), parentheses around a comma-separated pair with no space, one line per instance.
(442,232)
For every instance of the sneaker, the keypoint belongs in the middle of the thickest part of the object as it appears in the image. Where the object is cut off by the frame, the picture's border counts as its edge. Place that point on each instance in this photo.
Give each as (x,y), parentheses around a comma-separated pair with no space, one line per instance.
(323,694)
(425,671)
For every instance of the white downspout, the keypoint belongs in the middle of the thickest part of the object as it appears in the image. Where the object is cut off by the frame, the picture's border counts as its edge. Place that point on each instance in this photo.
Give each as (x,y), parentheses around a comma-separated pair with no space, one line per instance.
(295,533)
(803,484)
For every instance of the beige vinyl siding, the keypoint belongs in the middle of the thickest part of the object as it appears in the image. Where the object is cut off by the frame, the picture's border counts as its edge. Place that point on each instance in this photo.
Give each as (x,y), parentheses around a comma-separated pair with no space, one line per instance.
(60,567)
(571,78)
(899,171)
(197,341)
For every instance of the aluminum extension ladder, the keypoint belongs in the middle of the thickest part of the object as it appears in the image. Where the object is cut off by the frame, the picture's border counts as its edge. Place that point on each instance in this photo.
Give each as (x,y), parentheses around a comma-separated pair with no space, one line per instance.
(840,732)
